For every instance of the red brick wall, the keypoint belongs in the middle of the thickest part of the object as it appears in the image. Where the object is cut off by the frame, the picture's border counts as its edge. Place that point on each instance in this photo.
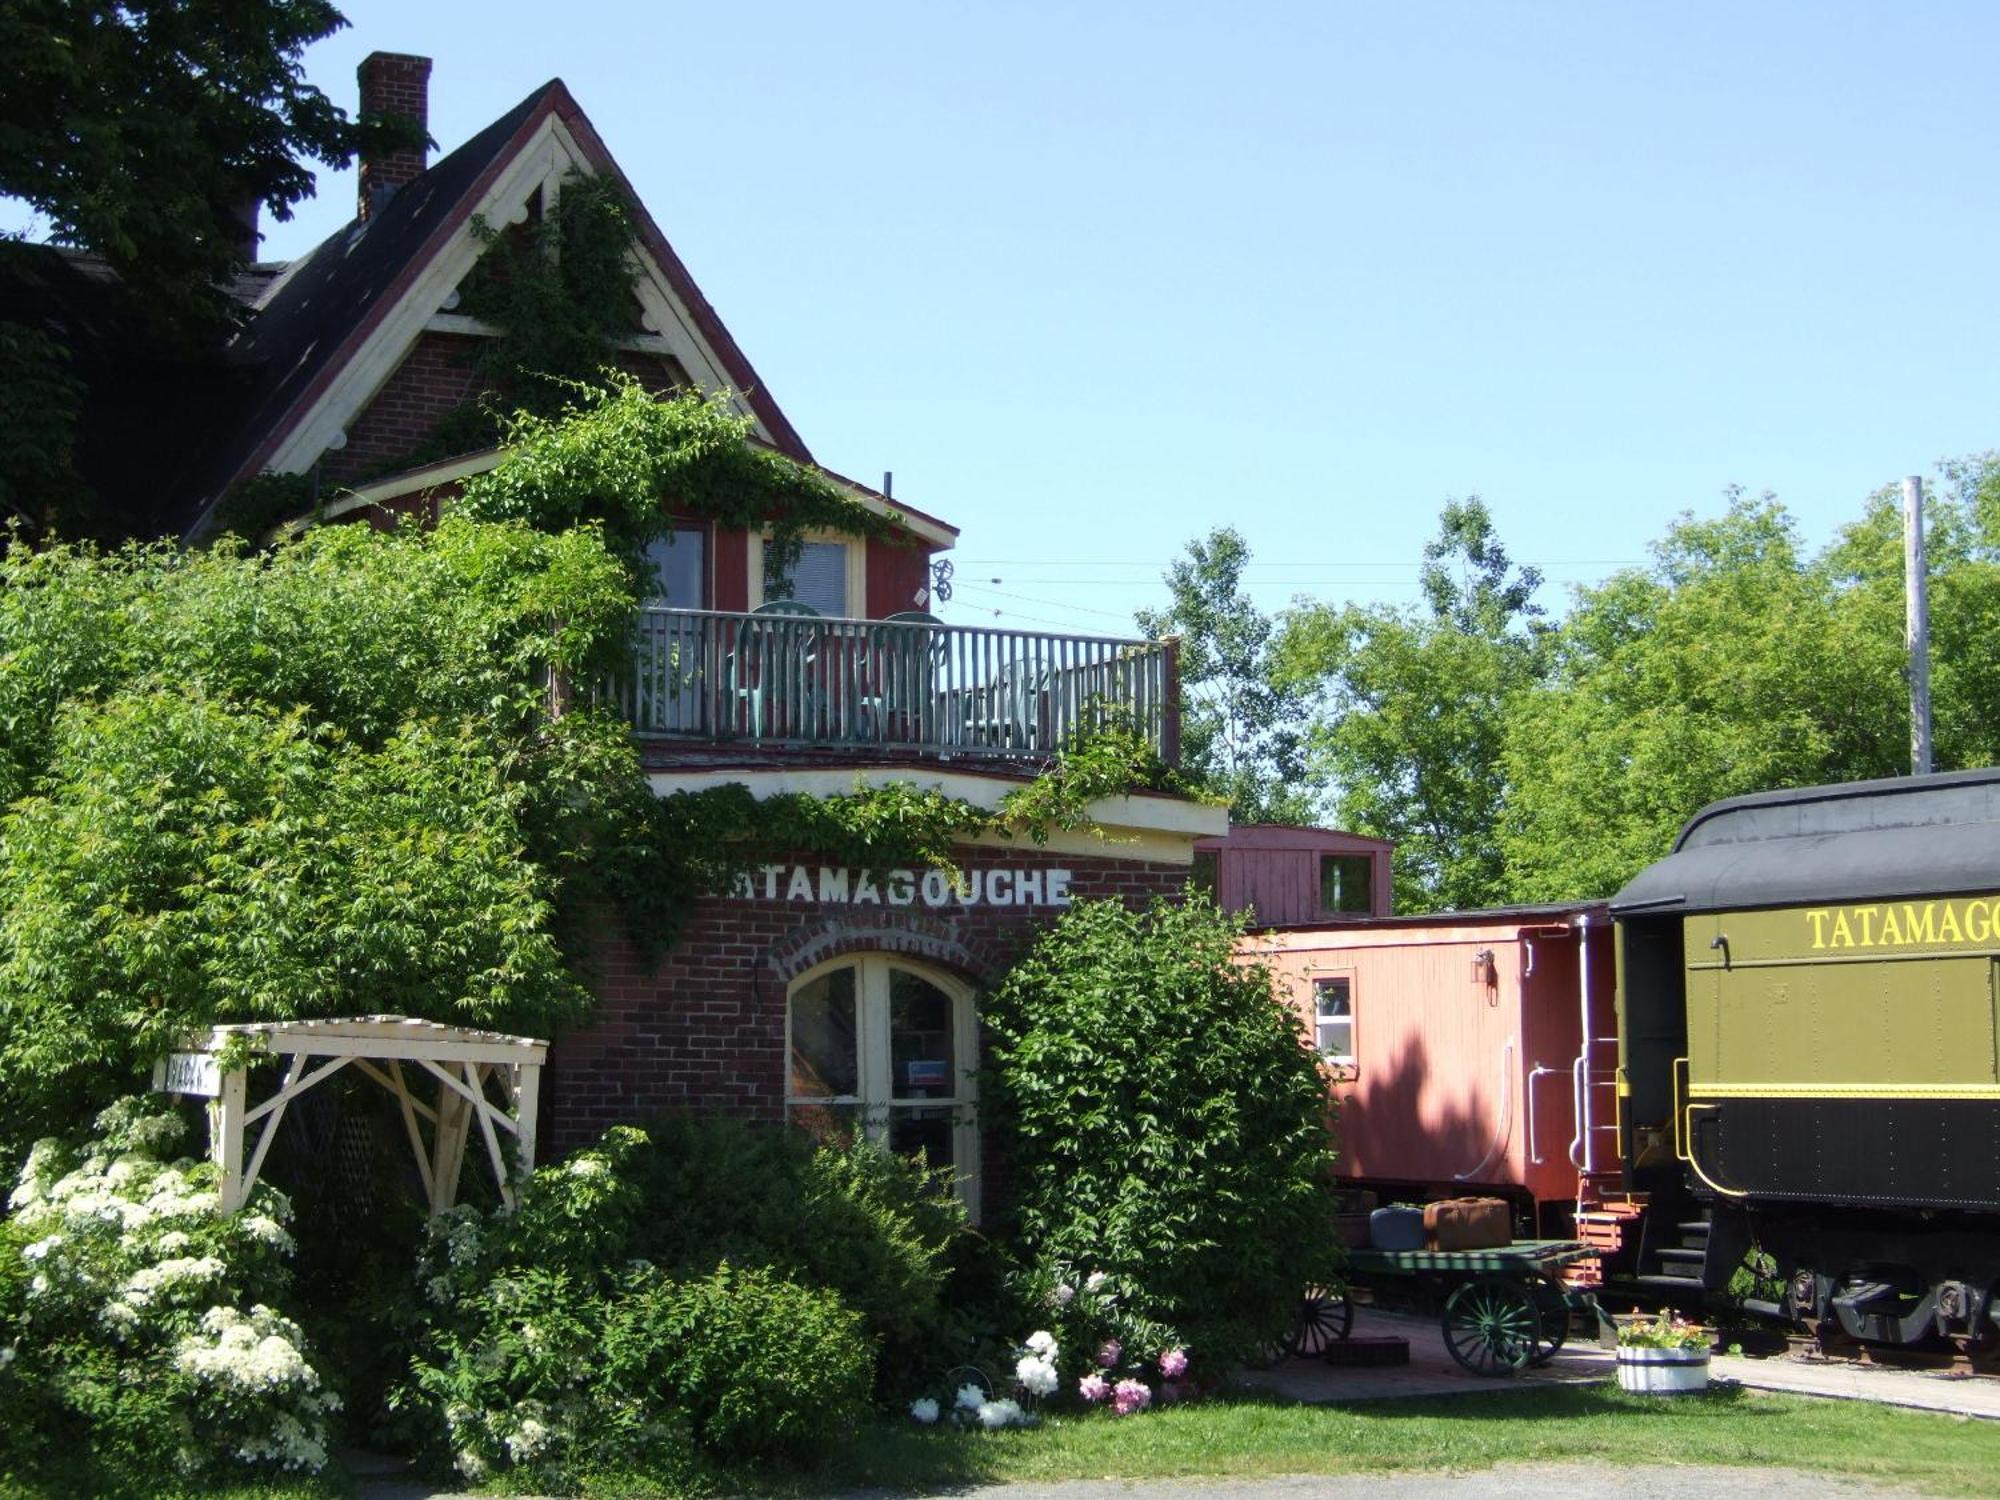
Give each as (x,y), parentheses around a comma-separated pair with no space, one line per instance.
(436,376)
(704,1029)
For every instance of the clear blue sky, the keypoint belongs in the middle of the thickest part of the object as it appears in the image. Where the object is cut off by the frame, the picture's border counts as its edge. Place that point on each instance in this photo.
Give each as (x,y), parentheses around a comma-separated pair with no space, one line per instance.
(1093,278)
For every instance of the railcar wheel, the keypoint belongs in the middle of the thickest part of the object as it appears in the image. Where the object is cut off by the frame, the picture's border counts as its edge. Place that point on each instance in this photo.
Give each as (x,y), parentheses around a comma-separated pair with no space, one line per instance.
(1492,1327)
(1325,1317)
(1552,1303)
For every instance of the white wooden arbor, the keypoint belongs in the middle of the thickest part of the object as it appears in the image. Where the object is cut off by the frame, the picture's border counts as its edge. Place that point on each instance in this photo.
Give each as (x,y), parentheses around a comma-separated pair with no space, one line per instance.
(469,1067)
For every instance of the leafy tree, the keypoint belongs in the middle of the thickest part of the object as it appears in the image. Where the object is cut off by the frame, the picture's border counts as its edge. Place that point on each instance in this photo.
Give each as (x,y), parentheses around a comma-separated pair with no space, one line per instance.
(1239,731)
(1734,664)
(1411,709)
(1166,1124)
(320,781)
(140,129)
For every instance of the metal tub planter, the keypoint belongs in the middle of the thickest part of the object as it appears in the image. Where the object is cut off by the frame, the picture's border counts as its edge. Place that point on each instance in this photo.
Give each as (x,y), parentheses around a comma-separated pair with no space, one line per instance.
(1662,1372)
(1662,1356)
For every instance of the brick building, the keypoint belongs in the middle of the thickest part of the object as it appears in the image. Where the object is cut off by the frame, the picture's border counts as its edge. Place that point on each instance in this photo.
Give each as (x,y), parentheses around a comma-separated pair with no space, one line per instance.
(811,993)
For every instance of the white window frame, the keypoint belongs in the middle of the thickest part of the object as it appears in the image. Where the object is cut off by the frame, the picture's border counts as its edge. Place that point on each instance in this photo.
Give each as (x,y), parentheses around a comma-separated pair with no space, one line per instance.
(1335,1059)
(874,1099)
(857,568)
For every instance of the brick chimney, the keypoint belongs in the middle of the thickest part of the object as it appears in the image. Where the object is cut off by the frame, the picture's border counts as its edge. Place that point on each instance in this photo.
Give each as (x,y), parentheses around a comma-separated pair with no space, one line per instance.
(393,83)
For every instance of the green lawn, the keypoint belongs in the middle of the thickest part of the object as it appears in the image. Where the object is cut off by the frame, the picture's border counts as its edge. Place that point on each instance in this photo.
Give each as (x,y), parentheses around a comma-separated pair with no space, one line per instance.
(1257,1435)
(1254,1435)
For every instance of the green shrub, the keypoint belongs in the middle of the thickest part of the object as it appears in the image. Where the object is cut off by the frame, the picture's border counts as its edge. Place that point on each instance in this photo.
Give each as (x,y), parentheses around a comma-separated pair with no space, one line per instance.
(761,1366)
(872,1226)
(138,1336)
(1167,1127)
(711,1296)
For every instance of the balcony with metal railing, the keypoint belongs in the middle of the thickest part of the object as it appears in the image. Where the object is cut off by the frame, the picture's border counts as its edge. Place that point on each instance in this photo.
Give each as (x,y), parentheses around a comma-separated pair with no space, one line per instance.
(917,686)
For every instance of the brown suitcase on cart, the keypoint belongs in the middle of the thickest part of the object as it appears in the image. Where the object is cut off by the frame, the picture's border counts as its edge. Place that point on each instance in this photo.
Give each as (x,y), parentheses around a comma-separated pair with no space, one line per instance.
(1468,1224)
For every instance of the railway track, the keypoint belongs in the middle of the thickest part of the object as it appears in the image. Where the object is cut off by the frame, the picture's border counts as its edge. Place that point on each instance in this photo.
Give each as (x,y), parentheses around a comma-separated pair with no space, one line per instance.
(1956,1356)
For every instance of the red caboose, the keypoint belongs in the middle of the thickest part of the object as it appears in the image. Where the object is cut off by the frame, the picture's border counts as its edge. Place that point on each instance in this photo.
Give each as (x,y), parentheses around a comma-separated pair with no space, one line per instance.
(1471,1052)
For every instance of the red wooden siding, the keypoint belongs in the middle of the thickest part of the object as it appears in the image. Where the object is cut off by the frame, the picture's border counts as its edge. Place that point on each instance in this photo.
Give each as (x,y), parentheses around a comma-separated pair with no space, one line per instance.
(1273,870)
(1440,1089)
(897,574)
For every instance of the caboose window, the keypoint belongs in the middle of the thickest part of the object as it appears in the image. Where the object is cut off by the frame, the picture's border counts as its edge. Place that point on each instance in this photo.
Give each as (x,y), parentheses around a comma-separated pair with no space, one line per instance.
(1344,884)
(1333,1025)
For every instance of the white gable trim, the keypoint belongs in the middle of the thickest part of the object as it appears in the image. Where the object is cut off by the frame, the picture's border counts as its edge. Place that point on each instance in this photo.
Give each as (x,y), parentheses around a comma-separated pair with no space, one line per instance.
(550,155)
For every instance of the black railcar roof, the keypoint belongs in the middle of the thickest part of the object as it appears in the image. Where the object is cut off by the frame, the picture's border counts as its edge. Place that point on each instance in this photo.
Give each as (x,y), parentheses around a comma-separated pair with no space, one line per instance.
(1856,841)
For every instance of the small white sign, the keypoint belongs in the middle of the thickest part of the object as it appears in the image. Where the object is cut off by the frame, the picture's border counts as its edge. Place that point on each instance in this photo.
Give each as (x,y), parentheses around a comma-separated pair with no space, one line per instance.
(188,1073)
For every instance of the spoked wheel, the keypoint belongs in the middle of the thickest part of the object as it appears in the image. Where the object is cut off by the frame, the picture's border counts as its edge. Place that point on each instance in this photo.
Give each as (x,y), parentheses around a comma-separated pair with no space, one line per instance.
(1552,1304)
(1325,1317)
(1492,1327)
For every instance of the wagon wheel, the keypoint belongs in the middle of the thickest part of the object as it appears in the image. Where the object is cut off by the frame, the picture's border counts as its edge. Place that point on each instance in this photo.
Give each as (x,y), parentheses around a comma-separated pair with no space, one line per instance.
(1325,1317)
(1552,1302)
(1492,1326)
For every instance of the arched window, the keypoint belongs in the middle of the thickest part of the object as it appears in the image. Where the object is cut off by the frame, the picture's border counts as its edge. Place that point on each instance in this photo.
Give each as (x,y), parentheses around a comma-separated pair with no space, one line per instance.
(878,1044)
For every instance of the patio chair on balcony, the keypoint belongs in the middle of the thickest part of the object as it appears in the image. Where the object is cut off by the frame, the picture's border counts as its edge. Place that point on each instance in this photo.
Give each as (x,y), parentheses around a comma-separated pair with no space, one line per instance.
(1006,715)
(769,675)
(896,679)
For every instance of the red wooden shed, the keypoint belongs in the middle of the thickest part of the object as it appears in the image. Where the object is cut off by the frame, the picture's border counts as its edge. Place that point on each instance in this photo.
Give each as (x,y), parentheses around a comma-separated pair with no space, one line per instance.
(1282,873)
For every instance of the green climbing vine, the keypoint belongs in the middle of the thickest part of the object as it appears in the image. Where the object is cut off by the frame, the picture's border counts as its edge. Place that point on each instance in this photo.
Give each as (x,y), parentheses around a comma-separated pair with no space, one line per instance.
(618,456)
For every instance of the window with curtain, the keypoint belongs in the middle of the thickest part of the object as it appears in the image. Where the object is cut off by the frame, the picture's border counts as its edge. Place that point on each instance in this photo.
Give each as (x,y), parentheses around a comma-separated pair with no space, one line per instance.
(818,578)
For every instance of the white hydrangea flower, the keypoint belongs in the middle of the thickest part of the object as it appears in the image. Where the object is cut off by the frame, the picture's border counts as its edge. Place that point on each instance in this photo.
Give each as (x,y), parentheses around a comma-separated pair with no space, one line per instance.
(970,1398)
(119,1316)
(527,1441)
(587,1166)
(149,1281)
(173,1242)
(993,1415)
(1036,1376)
(924,1409)
(1095,1281)
(1042,1342)
(268,1231)
(40,1248)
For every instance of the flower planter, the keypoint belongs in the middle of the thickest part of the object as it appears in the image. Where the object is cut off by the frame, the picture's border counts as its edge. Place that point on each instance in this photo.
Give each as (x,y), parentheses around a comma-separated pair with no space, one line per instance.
(1662,1372)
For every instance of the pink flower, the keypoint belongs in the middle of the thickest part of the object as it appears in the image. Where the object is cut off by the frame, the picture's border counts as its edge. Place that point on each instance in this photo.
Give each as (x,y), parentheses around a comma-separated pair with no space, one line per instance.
(1129,1396)
(1173,1363)
(1093,1387)
(1111,1353)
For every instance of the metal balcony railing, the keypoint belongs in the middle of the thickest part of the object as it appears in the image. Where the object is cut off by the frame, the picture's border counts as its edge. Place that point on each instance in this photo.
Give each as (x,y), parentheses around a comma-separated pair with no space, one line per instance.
(791,680)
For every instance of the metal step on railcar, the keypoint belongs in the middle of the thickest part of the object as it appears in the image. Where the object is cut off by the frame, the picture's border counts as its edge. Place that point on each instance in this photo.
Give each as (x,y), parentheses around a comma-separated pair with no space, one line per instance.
(1676,1271)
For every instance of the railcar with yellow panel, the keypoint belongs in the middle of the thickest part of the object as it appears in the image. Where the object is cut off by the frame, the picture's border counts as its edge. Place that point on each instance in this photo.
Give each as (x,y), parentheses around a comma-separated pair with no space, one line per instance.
(1809,1023)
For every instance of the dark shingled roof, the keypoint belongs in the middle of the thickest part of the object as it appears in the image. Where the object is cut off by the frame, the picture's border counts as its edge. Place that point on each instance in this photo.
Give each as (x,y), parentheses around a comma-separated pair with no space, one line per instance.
(1857,841)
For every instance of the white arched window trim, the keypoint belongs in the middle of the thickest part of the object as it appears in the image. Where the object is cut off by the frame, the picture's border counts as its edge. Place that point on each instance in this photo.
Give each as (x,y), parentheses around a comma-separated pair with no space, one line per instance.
(873,1103)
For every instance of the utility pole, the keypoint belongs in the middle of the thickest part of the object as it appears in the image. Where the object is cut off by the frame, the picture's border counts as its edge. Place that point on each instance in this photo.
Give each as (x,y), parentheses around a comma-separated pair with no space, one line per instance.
(1917,625)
